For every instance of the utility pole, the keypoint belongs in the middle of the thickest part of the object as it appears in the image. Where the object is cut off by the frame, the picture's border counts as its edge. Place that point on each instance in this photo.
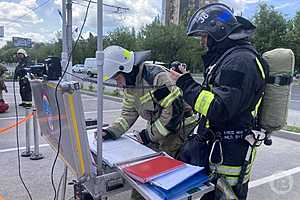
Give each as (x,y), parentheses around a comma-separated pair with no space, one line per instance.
(99,61)
(64,53)
(69,36)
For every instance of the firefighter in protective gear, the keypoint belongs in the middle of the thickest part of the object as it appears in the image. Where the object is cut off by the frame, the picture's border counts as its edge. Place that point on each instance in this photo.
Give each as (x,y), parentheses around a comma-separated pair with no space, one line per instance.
(20,73)
(228,98)
(3,106)
(150,93)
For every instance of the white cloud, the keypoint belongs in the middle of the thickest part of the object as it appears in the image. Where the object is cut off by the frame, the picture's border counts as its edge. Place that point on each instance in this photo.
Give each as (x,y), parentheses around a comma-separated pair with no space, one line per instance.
(29,3)
(9,12)
(284,5)
(16,17)
(140,12)
(240,5)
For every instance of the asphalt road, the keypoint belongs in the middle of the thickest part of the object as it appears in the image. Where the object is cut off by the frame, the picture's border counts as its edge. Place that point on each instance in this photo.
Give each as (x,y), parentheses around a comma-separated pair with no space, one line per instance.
(276,173)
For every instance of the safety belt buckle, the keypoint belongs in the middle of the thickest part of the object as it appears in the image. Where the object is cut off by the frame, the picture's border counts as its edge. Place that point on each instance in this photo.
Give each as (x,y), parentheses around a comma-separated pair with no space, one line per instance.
(277,80)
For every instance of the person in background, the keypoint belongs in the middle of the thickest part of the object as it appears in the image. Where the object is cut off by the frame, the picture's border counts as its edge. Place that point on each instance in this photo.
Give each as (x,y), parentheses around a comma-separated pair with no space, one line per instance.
(3,105)
(20,73)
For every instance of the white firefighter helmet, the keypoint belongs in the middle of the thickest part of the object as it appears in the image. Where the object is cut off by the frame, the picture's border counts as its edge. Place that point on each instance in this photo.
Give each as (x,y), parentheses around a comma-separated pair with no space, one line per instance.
(117,59)
(22,51)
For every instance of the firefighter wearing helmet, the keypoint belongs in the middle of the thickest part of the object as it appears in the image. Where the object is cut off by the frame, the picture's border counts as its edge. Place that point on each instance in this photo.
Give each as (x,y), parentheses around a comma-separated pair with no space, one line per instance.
(151,94)
(20,74)
(228,99)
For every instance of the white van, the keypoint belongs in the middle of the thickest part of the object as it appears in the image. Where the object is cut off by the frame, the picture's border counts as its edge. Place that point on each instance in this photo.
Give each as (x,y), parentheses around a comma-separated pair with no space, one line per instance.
(91,67)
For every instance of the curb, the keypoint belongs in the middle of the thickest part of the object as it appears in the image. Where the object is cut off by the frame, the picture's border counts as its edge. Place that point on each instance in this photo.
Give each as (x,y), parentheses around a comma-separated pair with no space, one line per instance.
(287,135)
(94,94)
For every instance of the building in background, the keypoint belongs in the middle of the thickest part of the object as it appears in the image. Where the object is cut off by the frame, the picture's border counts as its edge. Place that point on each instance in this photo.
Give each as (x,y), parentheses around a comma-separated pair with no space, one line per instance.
(173,10)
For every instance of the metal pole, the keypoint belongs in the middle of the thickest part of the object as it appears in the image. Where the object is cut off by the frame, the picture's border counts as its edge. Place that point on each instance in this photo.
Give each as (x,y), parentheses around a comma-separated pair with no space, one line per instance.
(36,154)
(99,60)
(64,53)
(69,37)
(64,183)
(27,153)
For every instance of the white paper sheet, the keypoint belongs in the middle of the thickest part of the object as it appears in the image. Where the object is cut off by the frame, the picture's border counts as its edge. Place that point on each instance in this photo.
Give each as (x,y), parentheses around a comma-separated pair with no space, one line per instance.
(121,150)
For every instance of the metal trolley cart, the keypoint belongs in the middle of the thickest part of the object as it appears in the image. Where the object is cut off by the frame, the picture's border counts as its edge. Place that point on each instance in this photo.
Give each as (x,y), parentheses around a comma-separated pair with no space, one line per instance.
(78,145)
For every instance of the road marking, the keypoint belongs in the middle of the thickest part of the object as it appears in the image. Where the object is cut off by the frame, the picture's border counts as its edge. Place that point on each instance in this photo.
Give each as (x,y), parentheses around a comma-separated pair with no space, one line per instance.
(21,148)
(87,112)
(274,177)
(91,99)
(294,101)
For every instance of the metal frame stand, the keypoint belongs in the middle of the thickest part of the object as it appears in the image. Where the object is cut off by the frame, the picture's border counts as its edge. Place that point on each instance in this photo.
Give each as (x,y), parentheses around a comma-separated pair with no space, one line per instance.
(27,153)
(36,155)
(64,183)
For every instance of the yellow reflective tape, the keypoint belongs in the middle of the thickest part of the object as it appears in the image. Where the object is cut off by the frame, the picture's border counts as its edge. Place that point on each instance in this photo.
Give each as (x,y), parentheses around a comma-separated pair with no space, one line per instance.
(255,112)
(207,124)
(231,170)
(161,129)
(261,69)
(123,123)
(127,104)
(126,94)
(125,101)
(76,132)
(203,102)
(105,77)
(234,180)
(147,97)
(130,100)
(170,98)
(127,54)
(190,120)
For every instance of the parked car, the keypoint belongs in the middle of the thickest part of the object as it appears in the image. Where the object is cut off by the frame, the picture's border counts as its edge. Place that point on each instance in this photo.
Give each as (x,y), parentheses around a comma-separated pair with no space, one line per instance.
(38,69)
(78,68)
(91,67)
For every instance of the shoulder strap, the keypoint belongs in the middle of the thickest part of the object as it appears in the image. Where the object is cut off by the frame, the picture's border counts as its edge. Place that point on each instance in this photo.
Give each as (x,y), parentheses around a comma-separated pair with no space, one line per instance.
(262,64)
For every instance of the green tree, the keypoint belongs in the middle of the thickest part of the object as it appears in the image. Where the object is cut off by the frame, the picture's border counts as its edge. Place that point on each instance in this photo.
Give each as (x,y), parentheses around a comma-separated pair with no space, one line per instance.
(294,38)
(271,29)
(122,36)
(169,43)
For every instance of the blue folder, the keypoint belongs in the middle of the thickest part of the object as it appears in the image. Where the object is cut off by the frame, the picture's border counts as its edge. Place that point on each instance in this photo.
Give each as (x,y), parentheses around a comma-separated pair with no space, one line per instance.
(196,180)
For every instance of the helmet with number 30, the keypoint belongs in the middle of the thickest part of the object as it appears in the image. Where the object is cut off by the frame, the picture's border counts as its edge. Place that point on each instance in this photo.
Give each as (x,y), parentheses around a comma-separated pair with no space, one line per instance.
(216,19)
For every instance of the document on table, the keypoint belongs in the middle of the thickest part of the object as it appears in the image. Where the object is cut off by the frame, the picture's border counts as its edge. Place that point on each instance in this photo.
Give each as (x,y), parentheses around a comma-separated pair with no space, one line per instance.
(120,150)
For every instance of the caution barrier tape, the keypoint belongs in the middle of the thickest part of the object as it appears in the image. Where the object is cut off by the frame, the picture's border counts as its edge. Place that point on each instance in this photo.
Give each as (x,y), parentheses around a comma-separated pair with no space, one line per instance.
(3,130)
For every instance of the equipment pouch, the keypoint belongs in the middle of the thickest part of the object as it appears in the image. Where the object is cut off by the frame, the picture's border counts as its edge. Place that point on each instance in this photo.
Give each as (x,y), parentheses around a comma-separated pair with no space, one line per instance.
(194,151)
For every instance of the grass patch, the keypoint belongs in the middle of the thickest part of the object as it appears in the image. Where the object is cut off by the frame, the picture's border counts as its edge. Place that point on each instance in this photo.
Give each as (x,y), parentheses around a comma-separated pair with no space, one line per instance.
(293,129)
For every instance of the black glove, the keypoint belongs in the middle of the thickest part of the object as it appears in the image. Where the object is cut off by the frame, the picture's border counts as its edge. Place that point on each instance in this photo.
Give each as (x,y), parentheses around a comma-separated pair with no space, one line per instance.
(106,134)
(175,66)
(145,137)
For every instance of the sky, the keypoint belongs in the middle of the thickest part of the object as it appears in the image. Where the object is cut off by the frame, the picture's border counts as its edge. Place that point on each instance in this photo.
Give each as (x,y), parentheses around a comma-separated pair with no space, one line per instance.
(40,19)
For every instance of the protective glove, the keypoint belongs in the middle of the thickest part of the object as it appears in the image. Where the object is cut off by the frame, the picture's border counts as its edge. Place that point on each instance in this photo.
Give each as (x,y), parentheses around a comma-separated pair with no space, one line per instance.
(106,134)
(144,135)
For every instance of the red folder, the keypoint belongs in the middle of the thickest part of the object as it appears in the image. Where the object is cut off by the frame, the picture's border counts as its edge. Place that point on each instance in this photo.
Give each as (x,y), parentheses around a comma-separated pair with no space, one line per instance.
(153,168)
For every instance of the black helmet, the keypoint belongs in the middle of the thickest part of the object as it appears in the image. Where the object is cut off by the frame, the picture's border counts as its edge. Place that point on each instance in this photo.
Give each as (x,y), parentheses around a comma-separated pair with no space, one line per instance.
(215,19)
